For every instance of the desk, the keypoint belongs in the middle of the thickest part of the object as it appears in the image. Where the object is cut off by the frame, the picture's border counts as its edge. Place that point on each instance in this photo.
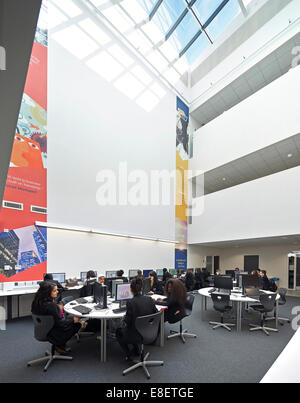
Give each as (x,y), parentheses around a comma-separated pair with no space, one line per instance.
(238,300)
(18,292)
(286,369)
(107,314)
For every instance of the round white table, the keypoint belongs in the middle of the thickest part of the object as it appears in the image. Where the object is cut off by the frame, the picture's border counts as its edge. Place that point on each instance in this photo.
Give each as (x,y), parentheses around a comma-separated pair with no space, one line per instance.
(107,314)
(238,299)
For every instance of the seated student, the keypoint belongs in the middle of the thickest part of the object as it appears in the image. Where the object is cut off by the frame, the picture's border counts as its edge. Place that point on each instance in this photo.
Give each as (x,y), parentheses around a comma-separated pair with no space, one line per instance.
(139,305)
(63,329)
(140,274)
(121,277)
(155,286)
(204,275)
(101,279)
(265,280)
(218,272)
(175,292)
(166,275)
(60,288)
(190,281)
(88,289)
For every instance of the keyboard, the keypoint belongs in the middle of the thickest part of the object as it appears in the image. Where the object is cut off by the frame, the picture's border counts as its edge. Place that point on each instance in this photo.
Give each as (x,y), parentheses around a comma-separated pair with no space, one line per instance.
(81,301)
(82,309)
(119,310)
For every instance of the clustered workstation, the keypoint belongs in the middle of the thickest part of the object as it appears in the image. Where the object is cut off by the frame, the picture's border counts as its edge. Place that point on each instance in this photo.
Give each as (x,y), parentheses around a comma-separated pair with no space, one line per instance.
(238,292)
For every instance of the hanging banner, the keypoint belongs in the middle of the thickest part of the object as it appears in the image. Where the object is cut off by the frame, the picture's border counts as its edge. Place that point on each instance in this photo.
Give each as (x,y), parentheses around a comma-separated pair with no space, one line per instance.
(23,245)
(182,166)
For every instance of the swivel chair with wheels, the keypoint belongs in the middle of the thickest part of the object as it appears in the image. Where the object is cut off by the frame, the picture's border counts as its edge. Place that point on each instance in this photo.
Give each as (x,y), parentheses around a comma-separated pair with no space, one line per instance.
(188,306)
(148,327)
(221,304)
(42,326)
(282,292)
(267,305)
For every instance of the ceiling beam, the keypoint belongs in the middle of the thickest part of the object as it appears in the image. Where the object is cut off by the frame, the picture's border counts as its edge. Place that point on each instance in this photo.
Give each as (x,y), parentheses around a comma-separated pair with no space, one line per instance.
(243,8)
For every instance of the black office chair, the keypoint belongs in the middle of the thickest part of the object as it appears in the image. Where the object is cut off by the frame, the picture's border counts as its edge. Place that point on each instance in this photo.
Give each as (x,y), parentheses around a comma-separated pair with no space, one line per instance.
(282,292)
(267,305)
(188,306)
(148,327)
(42,326)
(221,304)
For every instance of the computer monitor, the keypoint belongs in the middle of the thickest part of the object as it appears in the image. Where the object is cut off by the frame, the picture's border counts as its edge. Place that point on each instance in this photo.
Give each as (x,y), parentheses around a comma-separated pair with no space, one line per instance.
(180,272)
(146,285)
(146,273)
(159,272)
(60,277)
(114,286)
(123,292)
(223,282)
(230,273)
(110,274)
(100,295)
(83,276)
(132,273)
(173,272)
(249,281)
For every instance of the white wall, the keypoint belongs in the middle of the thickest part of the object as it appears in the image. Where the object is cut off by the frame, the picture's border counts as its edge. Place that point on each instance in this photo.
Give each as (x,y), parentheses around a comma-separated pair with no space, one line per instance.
(94,127)
(265,207)
(74,252)
(268,116)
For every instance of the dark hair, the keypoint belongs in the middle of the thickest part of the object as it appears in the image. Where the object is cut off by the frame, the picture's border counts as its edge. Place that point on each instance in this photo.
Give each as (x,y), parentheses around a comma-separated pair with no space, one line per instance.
(136,285)
(177,293)
(189,274)
(48,276)
(43,296)
(154,274)
(120,273)
(164,269)
(139,273)
(90,274)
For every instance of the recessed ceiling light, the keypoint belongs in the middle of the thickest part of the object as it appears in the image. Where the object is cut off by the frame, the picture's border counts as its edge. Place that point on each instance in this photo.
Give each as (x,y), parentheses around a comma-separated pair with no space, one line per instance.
(290,155)
(224,179)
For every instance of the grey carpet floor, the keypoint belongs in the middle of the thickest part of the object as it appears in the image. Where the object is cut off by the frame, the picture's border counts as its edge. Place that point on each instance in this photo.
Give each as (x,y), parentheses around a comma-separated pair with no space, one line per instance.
(216,356)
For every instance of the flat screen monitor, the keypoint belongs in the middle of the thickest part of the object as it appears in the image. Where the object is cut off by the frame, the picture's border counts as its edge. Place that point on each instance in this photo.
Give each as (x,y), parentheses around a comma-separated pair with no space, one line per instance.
(114,286)
(132,273)
(146,273)
(60,277)
(251,281)
(159,272)
(223,282)
(230,273)
(146,285)
(173,272)
(110,274)
(123,292)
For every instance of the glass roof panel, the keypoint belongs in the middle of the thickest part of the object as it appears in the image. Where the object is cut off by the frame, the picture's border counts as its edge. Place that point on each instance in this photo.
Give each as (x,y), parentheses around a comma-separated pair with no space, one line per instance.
(223,19)
(206,8)
(186,30)
(197,48)
(168,13)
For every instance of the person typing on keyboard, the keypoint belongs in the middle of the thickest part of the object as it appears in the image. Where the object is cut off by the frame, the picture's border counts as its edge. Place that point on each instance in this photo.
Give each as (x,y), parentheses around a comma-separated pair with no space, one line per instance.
(139,305)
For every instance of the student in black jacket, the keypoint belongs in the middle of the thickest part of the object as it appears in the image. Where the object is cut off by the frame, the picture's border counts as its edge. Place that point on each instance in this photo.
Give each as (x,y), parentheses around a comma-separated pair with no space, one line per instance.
(121,277)
(139,305)
(155,287)
(44,304)
(88,289)
(60,288)
(176,296)
(190,281)
(166,275)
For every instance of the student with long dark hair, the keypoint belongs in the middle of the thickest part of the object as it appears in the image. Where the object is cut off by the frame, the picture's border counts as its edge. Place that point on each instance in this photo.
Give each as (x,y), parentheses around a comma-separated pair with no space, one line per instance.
(88,289)
(60,288)
(139,305)
(155,287)
(175,292)
(63,329)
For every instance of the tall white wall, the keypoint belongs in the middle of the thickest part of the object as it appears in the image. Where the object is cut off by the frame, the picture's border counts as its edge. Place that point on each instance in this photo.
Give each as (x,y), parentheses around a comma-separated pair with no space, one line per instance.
(268,116)
(265,207)
(94,127)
